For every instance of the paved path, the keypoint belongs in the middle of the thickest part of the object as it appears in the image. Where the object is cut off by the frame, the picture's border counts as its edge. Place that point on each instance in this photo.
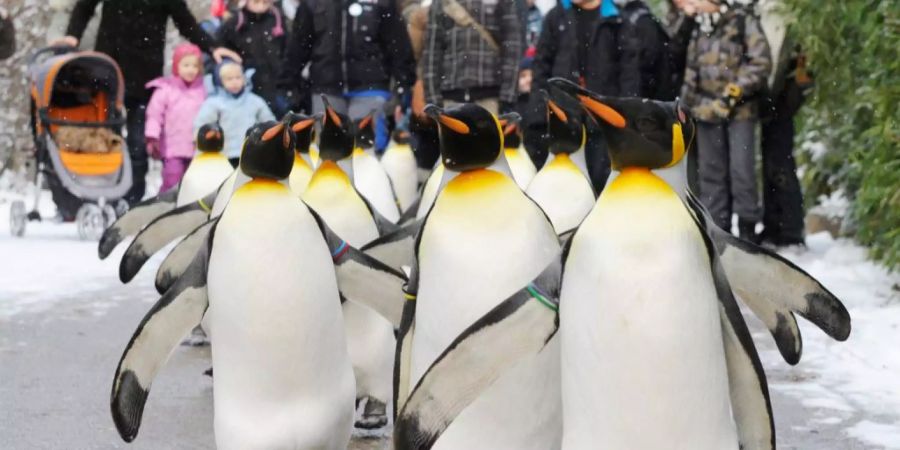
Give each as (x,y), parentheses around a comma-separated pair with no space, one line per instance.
(56,367)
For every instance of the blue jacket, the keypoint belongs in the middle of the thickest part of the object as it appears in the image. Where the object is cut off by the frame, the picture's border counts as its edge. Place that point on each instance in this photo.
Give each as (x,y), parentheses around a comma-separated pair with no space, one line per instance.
(234,113)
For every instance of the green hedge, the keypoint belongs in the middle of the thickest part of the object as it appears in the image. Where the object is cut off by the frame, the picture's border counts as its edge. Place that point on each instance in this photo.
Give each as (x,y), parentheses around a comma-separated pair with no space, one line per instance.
(853,49)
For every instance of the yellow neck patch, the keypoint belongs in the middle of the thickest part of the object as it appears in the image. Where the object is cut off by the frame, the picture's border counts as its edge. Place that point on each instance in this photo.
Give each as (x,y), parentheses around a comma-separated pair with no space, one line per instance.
(299,162)
(476,180)
(209,156)
(262,185)
(562,161)
(329,171)
(677,144)
(638,181)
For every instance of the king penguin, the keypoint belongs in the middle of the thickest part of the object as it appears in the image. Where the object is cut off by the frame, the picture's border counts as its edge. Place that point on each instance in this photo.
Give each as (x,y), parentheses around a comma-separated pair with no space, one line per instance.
(302,171)
(369,176)
(270,279)
(562,187)
(331,194)
(206,173)
(602,297)
(516,156)
(399,162)
(481,239)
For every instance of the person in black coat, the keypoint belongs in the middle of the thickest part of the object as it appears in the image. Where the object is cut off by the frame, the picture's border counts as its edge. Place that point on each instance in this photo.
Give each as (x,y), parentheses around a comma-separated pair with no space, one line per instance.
(7,35)
(133,33)
(354,49)
(646,64)
(257,33)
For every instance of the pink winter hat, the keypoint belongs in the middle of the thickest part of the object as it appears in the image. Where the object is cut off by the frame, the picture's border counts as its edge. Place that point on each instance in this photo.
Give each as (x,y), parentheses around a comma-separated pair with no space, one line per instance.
(182,50)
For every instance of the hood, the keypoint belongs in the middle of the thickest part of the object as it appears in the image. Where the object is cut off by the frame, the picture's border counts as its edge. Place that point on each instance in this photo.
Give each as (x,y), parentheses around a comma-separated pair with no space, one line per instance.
(214,84)
(183,50)
(174,82)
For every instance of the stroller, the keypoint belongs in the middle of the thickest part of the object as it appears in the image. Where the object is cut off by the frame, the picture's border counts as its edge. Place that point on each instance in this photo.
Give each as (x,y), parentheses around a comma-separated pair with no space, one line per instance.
(73,92)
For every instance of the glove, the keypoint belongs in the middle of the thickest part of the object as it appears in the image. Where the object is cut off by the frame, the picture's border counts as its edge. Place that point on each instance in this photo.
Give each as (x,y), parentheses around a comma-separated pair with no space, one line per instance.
(153,148)
(732,95)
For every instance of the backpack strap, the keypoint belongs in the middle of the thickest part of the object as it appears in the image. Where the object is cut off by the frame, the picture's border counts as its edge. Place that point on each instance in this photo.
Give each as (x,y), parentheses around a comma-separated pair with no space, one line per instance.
(461,16)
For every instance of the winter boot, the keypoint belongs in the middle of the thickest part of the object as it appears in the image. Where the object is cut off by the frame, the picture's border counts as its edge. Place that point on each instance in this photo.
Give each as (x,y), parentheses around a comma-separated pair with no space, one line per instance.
(747,230)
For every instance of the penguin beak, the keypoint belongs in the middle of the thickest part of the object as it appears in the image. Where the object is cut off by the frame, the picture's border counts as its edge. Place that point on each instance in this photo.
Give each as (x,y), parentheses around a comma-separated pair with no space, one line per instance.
(451,123)
(596,105)
(330,113)
(364,122)
(554,109)
(272,132)
(302,125)
(212,134)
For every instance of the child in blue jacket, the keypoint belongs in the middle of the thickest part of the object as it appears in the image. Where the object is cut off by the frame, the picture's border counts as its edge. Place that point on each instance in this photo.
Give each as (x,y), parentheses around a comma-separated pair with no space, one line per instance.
(232,104)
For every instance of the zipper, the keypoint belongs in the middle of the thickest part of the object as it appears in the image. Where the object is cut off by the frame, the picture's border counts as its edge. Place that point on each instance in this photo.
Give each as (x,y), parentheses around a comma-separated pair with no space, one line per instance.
(344,48)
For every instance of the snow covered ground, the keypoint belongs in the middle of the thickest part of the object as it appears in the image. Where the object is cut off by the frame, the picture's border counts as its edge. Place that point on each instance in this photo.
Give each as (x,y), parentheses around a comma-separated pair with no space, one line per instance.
(852,387)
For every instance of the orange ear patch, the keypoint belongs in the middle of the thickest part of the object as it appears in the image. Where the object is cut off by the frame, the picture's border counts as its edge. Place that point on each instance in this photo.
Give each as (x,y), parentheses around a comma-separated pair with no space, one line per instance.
(454,124)
(212,134)
(302,125)
(558,111)
(365,122)
(272,132)
(334,117)
(609,115)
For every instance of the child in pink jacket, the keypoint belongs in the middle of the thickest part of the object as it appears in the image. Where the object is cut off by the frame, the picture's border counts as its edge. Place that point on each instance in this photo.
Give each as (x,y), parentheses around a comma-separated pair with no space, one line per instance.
(170,114)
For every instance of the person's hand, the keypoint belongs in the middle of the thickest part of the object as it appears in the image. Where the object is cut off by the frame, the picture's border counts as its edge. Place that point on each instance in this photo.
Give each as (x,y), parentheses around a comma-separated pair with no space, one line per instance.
(703,6)
(220,53)
(720,109)
(686,6)
(153,148)
(65,41)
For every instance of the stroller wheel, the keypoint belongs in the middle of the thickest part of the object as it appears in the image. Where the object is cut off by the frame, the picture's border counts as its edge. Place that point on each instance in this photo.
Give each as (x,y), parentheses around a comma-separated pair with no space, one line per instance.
(17,218)
(91,221)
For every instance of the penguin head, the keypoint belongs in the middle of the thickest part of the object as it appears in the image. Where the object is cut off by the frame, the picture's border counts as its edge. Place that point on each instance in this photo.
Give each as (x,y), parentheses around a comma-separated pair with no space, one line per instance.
(268,151)
(336,136)
(638,132)
(364,129)
(302,126)
(512,130)
(470,136)
(565,122)
(210,138)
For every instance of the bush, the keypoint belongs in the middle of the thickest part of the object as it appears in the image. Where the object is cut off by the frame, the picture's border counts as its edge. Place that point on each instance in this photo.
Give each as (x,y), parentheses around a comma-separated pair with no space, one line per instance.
(853,114)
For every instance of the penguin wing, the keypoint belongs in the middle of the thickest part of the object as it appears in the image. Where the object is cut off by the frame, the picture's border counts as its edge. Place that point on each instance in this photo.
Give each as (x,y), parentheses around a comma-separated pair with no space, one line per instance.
(383,224)
(774,289)
(410,214)
(364,279)
(178,311)
(748,387)
(135,219)
(517,328)
(161,231)
(403,353)
(395,249)
(181,256)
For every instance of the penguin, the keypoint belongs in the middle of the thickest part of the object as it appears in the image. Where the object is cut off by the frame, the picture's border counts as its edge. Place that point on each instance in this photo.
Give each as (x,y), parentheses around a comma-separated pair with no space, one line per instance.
(562,187)
(399,162)
(207,171)
(598,298)
(332,195)
(520,163)
(270,278)
(369,176)
(482,238)
(302,170)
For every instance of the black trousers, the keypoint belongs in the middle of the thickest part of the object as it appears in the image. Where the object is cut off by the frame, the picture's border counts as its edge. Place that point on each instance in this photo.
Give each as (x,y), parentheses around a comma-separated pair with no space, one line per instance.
(782,197)
(136,115)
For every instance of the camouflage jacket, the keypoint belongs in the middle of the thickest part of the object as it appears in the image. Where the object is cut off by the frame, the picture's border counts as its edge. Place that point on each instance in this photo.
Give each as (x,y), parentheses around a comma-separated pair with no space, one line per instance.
(736,51)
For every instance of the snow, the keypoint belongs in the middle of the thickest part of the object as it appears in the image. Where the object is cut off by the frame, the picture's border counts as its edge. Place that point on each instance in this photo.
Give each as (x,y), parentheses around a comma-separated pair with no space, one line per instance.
(853,384)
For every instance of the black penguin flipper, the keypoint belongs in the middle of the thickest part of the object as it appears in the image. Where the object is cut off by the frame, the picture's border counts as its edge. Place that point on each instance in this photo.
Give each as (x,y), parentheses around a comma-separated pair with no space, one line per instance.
(136,218)
(177,312)
(409,215)
(382,224)
(403,353)
(748,387)
(775,289)
(519,327)
(160,232)
(178,260)
(395,249)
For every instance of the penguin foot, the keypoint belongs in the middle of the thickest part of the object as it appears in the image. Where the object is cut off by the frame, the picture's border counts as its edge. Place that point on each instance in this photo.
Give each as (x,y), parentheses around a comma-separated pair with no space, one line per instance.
(196,339)
(374,415)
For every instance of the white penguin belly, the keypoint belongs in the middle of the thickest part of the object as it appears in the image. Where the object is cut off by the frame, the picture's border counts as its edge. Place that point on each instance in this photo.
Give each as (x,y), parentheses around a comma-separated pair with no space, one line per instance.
(430,191)
(373,182)
(480,246)
(203,176)
(283,378)
(400,164)
(563,192)
(521,166)
(370,337)
(643,363)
